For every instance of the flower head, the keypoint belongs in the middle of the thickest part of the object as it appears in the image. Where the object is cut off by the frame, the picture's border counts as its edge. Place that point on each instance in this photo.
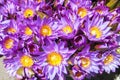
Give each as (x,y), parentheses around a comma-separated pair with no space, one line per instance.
(18,63)
(87,61)
(110,60)
(97,29)
(54,59)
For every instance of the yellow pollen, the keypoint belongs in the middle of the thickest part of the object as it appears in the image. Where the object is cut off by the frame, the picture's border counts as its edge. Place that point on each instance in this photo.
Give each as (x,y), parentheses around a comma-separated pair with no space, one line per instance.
(54,58)
(85,62)
(95,31)
(26,61)
(108,59)
(82,12)
(28,13)
(46,30)
(28,31)
(67,29)
(9,43)
(11,30)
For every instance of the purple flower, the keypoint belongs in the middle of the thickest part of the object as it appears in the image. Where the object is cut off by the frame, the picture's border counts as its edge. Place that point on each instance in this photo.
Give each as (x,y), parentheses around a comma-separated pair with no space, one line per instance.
(81,7)
(20,64)
(54,59)
(11,28)
(77,73)
(47,28)
(79,40)
(9,43)
(68,25)
(87,60)
(28,9)
(97,29)
(27,29)
(101,8)
(110,60)
(9,10)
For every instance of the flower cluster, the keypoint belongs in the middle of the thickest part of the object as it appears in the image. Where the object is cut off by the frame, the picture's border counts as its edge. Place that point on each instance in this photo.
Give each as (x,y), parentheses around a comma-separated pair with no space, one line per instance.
(49,39)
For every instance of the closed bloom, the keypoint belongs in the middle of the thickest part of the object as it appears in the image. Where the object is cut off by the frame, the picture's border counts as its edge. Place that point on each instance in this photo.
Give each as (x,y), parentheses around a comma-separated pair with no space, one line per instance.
(101,8)
(78,74)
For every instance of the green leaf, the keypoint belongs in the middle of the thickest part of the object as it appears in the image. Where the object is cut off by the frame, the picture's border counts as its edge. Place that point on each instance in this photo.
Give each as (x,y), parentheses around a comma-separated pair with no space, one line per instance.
(112,4)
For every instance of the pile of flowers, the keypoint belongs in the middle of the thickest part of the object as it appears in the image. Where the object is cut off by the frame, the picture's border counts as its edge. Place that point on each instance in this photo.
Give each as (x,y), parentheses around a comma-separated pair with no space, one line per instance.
(52,39)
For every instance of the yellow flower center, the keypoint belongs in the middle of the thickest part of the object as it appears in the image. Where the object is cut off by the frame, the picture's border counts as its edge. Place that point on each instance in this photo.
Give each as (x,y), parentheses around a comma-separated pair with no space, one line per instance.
(26,61)
(28,13)
(67,29)
(46,30)
(95,31)
(28,31)
(82,12)
(108,59)
(11,30)
(54,58)
(85,62)
(9,43)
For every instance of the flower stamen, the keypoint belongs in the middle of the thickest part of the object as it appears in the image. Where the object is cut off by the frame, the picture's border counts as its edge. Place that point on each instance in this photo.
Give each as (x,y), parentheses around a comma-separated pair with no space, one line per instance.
(26,61)
(46,30)
(28,31)
(54,58)
(95,31)
(28,13)
(85,62)
(82,12)
(67,29)
(8,43)
(109,58)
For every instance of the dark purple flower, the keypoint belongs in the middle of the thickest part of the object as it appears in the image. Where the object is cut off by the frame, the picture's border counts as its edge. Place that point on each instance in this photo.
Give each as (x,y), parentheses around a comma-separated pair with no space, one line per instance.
(101,8)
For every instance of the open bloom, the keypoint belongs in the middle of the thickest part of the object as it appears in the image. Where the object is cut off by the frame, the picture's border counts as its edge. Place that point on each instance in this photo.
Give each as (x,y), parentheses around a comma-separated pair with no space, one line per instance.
(87,60)
(97,29)
(19,64)
(81,7)
(9,43)
(47,28)
(9,10)
(110,60)
(28,10)
(54,60)
(68,25)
